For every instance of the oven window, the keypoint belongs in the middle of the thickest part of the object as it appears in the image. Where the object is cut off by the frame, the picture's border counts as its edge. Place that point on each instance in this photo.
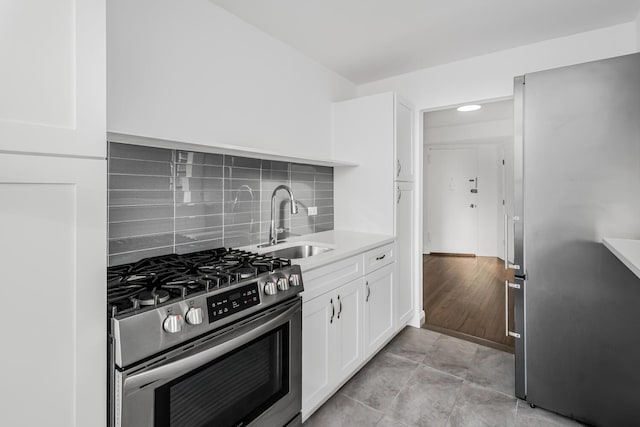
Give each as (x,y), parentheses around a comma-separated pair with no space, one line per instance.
(229,391)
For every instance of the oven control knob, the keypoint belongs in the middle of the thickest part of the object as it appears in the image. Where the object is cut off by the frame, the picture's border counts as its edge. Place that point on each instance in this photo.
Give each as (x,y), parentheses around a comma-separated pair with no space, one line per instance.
(270,288)
(294,279)
(173,323)
(283,284)
(194,316)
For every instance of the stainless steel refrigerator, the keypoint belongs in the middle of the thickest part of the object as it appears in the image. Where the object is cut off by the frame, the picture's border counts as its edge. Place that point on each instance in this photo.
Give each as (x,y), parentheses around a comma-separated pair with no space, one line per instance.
(577,180)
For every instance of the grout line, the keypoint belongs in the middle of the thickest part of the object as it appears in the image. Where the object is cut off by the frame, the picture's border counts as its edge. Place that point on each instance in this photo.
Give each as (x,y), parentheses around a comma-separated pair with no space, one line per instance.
(141,250)
(174,171)
(363,404)
(140,220)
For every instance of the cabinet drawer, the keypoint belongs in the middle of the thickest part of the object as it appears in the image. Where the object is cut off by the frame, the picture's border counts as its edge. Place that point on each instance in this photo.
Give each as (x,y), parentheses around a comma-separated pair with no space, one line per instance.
(324,279)
(379,257)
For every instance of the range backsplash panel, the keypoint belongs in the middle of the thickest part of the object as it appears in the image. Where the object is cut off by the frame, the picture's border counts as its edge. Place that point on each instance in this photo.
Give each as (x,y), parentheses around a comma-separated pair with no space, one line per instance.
(163,201)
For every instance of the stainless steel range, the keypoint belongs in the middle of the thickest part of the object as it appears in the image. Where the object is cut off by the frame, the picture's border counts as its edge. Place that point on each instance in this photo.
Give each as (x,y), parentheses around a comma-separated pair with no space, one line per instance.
(211,338)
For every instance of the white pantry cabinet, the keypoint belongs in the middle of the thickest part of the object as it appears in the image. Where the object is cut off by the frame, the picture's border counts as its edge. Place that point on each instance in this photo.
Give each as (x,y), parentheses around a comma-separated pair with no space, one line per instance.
(378,195)
(53,263)
(53,226)
(406,252)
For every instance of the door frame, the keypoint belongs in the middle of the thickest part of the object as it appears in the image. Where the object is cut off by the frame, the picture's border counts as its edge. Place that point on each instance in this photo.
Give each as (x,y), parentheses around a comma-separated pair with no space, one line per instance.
(418,225)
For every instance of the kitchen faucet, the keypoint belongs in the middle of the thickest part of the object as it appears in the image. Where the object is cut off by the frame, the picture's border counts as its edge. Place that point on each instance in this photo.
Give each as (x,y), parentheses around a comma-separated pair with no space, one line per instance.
(273,233)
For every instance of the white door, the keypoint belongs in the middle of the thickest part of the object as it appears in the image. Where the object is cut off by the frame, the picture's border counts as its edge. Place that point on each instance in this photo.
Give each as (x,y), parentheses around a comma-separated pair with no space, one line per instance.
(405,244)
(318,327)
(452,214)
(378,308)
(348,352)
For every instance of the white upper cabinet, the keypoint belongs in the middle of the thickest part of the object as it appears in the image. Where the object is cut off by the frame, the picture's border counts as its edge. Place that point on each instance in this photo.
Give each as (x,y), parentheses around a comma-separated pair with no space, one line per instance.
(53,77)
(404,149)
(376,133)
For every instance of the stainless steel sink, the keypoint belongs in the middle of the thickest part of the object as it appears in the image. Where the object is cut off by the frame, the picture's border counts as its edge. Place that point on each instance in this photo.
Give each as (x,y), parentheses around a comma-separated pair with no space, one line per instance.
(300,251)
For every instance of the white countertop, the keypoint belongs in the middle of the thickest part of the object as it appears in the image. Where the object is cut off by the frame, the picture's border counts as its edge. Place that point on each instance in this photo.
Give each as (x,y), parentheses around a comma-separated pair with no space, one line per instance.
(627,250)
(343,243)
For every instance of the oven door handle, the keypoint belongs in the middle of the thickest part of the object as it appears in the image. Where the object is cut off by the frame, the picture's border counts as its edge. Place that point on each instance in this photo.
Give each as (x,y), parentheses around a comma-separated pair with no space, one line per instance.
(182,366)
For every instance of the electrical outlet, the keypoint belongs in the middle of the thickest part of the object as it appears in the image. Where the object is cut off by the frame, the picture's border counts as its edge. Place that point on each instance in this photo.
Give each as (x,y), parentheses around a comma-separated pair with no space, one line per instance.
(312,210)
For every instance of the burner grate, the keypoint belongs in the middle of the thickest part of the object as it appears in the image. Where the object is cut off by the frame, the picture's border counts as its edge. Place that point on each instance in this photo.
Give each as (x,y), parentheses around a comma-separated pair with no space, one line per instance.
(156,280)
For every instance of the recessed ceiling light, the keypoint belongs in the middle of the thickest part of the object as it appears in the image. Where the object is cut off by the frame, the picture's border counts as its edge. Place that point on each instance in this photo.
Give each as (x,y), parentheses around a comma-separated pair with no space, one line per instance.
(472,107)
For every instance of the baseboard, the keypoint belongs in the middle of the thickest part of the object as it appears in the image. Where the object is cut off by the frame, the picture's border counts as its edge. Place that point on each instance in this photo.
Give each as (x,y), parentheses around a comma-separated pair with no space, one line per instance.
(452,254)
(418,319)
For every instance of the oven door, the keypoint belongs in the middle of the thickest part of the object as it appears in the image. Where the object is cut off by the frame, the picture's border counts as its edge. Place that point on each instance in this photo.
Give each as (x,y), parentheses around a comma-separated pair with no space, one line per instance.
(247,374)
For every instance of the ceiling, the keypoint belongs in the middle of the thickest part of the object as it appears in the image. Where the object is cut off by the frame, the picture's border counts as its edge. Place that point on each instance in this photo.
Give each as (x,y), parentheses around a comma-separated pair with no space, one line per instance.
(490,111)
(493,123)
(367,40)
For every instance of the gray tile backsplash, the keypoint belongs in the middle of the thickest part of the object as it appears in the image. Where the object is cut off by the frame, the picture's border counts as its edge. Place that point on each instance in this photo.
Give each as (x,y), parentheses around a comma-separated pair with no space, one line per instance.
(163,201)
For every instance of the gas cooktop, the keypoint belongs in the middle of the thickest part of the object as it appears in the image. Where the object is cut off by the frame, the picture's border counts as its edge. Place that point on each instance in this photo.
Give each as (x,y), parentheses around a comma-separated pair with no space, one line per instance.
(160,280)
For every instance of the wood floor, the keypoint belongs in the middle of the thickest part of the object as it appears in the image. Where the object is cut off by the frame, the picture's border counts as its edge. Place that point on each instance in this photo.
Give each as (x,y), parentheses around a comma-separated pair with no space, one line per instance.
(464,297)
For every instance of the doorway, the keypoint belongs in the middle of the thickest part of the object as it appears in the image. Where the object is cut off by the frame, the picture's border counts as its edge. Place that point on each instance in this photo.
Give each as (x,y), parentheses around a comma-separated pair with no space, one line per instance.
(467,164)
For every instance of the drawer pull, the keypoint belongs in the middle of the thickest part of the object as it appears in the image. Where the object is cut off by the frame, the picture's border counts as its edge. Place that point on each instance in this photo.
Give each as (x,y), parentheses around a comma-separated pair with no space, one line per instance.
(368,291)
(381,257)
(333,310)
(340,309)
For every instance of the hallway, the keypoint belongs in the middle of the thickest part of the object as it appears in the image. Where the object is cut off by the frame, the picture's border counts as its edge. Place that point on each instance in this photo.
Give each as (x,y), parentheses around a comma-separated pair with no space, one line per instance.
(464,298)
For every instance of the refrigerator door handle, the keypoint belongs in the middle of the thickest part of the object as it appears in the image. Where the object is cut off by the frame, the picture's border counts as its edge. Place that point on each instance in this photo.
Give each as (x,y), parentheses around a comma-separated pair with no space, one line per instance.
(507,332)
(507,264)
(506,241)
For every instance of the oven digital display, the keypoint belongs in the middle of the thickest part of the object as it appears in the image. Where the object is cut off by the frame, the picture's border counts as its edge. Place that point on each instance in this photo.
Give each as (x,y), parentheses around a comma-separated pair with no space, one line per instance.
(225,304)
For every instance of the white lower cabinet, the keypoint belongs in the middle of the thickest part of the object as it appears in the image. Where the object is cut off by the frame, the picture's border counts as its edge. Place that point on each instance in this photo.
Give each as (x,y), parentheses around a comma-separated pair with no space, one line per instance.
(332,334)
(347,324)
(317,334)
(379,299)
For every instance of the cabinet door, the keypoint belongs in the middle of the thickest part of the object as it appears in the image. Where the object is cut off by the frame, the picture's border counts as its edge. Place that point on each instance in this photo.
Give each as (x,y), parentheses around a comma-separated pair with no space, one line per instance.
(53,81)
(406,253)
(348,351)
(53,260)
(404,167)
(378,308)
(318,324)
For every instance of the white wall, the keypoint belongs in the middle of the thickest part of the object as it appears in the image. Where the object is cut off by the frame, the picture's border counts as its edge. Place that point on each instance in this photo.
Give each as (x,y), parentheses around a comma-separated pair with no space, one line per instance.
(638,31)
(192,72)
(491,76)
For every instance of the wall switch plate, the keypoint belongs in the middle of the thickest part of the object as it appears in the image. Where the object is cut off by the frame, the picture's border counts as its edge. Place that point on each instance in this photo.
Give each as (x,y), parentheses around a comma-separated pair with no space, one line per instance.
(312,211)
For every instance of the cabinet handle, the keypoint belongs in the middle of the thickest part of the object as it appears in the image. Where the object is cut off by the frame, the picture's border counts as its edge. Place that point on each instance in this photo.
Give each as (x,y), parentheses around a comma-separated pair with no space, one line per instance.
(381,257)
(399,168)
(368,291)
(333,311)
(340,309)
(399,195)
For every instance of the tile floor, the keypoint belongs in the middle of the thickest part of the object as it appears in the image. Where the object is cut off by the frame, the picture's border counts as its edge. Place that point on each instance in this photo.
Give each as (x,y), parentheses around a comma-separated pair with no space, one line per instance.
(423,378)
